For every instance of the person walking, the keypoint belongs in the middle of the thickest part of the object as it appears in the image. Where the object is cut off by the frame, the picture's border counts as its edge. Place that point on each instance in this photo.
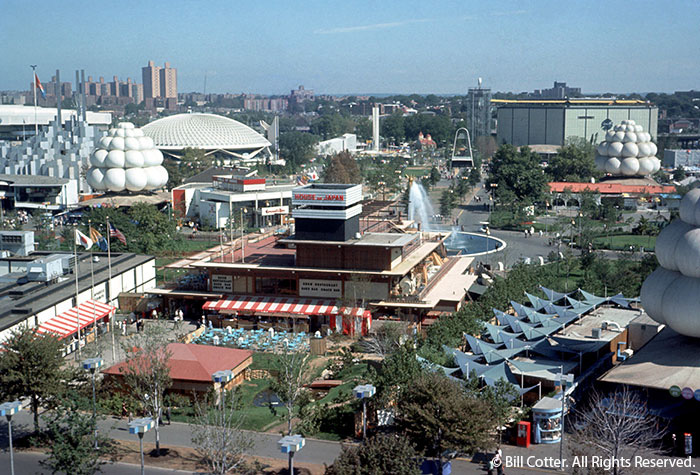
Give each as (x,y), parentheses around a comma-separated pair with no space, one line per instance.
(168,414)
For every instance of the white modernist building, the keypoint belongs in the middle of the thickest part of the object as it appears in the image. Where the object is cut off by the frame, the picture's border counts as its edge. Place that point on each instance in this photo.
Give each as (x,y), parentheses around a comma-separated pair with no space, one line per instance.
(243,195)
(212,133)
(126,160)
(671,294)
(17,122)
(338,144)
(628,151)
(60,151)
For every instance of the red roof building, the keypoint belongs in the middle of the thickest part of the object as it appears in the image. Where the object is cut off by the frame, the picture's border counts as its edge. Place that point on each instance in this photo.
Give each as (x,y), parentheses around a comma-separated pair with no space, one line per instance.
(610,188)
(192,366)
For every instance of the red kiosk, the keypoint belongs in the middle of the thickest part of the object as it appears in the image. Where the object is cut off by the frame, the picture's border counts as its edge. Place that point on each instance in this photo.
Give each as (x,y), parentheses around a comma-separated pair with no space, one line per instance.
(523,434)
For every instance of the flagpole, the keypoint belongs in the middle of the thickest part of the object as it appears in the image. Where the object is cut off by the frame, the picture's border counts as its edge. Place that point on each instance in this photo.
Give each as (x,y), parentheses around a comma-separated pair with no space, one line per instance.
(92,286)
(109,284)
(76,269)
(36,124)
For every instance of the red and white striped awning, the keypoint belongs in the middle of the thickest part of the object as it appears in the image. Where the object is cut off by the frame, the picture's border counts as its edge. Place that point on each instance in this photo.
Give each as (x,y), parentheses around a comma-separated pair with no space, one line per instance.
(66,323)
(295,306)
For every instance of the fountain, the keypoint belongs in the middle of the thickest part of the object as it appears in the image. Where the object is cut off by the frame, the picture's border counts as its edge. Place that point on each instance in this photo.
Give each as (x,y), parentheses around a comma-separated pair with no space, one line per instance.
(420,210)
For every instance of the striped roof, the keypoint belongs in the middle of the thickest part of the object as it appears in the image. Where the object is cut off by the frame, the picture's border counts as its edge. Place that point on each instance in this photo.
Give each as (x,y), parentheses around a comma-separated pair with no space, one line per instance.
(81,316)
(297,306)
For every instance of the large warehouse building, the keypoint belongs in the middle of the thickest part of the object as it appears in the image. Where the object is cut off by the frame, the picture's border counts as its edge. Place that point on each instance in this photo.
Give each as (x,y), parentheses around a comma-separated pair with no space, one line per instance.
(212,133)
(552,122)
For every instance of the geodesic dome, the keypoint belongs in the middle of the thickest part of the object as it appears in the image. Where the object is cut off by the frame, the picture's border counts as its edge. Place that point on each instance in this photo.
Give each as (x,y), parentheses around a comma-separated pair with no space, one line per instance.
(126,159)
(671,294)
(628,151)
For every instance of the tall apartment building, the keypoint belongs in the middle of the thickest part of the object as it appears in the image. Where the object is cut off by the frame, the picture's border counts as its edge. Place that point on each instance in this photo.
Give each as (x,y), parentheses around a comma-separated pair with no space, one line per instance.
(168,82)
(151,81)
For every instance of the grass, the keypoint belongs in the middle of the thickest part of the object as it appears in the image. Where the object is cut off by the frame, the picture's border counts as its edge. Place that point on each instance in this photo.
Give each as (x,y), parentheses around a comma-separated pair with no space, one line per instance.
(257,418)
(417,171)
(624,241)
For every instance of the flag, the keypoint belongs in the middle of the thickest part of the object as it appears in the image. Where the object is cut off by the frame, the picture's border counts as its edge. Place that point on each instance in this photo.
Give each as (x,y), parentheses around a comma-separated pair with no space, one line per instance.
(98,239)
(114,232)
(82,240)
(38,86)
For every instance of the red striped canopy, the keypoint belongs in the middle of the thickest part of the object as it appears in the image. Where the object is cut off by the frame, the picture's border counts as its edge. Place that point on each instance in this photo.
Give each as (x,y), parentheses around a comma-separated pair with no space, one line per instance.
(66,323)
(297,306)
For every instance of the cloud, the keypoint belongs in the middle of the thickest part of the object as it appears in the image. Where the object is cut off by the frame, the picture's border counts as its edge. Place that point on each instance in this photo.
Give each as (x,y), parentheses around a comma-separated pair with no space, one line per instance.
(374,26)
(509,13)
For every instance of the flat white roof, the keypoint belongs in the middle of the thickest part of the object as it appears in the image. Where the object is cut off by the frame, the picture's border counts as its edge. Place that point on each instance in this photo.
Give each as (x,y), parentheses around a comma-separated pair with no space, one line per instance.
(15,115)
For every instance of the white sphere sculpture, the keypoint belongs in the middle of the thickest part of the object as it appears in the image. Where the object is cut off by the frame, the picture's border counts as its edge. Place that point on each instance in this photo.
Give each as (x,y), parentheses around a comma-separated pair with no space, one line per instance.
(629,151)
(126,160)
(671,294)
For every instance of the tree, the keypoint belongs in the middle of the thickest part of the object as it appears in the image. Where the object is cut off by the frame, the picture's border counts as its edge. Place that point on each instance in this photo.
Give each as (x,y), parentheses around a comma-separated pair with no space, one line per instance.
(379,455)
(438,414)
(296,148)
(679,174)
(517,175)
(384,339)
(155,230)
(342,168)
(217,435)
(31,366)
(146,371)
(447,202)
(616,426)
(393,128)
(396,373)
(575,162)
(499,399)
(71,433)
(292,368)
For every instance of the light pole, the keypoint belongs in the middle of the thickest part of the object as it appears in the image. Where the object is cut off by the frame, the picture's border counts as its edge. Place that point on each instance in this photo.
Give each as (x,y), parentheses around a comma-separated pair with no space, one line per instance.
(364,391)
(140,427)
(290,444)
(222,377)
(9,409)
(563,379)
(243,210)
(93,364)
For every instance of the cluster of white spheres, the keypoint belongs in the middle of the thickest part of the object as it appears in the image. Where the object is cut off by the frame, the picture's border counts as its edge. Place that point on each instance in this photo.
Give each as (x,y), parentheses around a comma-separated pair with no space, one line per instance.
(671,294)
(627,150)
(126,159)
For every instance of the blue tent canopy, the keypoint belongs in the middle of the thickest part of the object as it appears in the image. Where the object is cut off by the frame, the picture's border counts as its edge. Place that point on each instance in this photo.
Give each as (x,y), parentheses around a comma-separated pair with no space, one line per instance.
(553,295)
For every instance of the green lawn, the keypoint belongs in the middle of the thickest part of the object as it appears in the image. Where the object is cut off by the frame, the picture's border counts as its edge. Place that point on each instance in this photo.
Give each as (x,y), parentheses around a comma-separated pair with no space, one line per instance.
(257,418)
(417,171)
(624,241)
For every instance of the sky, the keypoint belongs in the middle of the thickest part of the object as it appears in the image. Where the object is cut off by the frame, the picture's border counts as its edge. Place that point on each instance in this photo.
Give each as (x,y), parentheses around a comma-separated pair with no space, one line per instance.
(354,47)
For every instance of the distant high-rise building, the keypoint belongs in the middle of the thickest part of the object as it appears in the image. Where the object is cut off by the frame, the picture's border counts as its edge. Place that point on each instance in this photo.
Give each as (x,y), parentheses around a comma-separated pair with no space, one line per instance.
(559,91)
(168,82)
(301,94)
(137,93)
(479,111)
(151,81)
(114,87)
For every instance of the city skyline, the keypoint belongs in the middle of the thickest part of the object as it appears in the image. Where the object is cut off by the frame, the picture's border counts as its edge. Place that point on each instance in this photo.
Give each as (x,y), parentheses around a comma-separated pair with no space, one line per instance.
(336,48)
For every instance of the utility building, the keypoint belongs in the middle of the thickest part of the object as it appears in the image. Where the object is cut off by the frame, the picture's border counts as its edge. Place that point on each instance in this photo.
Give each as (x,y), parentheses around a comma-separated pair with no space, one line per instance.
(552,122)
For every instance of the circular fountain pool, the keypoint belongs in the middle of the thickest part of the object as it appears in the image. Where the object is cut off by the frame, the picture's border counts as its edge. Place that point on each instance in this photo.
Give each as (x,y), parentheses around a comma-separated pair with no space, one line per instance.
(472,244)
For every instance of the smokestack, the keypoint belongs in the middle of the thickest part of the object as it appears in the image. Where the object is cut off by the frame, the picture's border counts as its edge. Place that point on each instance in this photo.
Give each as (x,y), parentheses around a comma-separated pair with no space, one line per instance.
(59,118)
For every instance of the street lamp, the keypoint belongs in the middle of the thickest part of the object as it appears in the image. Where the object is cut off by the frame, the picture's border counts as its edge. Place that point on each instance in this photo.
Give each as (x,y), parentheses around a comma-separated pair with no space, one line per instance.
(222,377)
(562,379)
(9,409)
(93,364)
(290,444)
(243,210)
(140,427)
(364,391)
